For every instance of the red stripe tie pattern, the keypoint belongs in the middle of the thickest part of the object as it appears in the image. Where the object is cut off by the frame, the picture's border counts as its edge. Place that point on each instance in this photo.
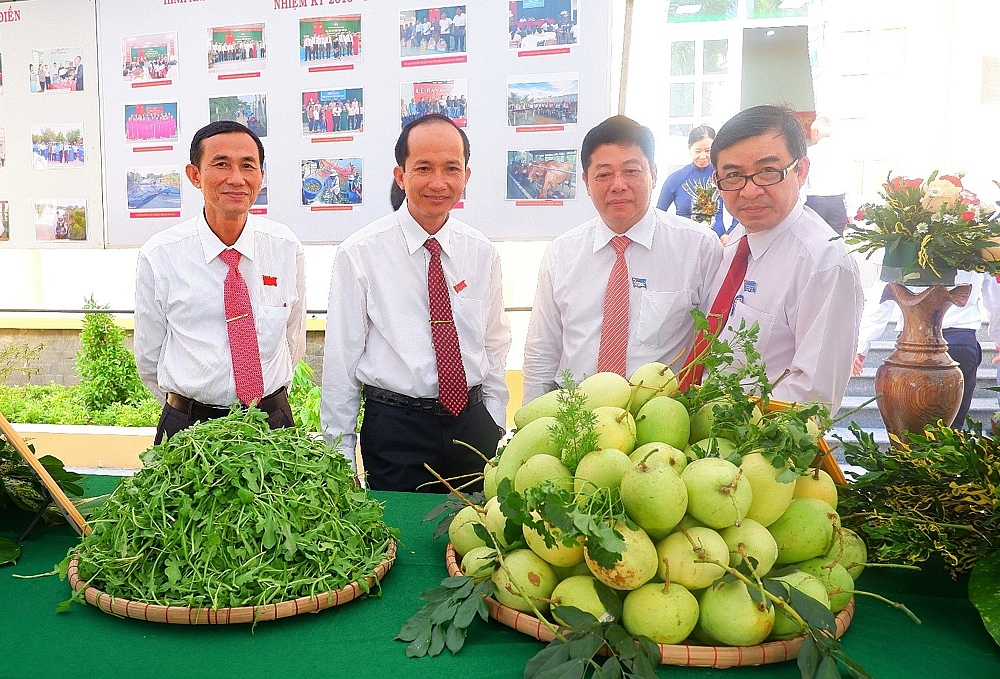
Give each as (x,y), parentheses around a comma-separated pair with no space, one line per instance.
(721,308)
(612,354)
(242,332)
(453,390)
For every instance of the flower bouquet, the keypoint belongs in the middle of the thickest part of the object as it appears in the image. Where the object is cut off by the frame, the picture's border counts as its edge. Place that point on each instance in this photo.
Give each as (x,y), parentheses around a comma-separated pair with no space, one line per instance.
(929,230)
(704,200)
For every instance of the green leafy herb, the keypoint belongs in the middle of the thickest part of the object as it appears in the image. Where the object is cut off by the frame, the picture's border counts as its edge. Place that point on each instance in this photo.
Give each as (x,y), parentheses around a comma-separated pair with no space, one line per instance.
(444,620)
(446,511)
(106,366)
(575,430)
(20,486)
(936,494)
(574,653)
(232,513)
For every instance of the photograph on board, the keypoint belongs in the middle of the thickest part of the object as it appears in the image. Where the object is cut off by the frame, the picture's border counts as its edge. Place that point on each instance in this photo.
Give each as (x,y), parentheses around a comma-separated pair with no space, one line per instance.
(447,97)
(541,175)
(1,73)
(153,188)
(3,147)
(331,40)
(542,24)
(150,58)
(4,221)
(331,181)
(236,49)
(57,146)
(60,219)
(333,112)
(542,99)
(261,200)
(151,122)
(432,32)
(58,69)
(249,110)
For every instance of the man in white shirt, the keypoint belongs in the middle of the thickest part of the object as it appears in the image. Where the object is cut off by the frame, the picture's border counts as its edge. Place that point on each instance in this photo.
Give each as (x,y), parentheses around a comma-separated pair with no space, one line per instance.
(416,321)
(829,176)
(668,264)
(194,351)
(458,25)
(444,26)
(959,328)
(802,289)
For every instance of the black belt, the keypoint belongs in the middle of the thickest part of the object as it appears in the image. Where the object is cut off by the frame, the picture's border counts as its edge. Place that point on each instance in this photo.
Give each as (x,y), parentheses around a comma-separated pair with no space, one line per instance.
(424,405)
(200,411)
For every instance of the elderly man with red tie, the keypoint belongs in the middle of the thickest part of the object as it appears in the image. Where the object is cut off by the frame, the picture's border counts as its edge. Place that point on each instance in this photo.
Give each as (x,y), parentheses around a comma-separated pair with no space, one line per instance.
(617,291)
(780,269)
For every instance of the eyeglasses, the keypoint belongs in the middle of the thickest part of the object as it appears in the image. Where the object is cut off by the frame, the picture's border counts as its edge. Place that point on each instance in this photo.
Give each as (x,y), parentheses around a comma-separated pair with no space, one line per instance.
(736,182)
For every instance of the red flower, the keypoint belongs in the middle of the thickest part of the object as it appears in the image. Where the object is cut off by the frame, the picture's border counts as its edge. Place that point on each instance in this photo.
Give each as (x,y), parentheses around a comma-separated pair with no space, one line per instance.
(968,215)
(860,217)
(897,184)
(953,179)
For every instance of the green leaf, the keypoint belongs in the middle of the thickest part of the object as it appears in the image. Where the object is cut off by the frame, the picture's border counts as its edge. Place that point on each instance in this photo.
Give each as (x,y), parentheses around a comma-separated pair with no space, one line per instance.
(418,648)
(443,612)
(574,617)
(585,647)
(467,611)
(556,653)
(437,641)
(455,638)
(574,668)
(827,669)
(809,657)
(9,551)
(984,592)
(813,612)
(415,626)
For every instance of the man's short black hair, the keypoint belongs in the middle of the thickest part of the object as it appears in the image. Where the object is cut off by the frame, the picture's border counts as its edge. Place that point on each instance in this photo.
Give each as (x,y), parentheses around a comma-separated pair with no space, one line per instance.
(620,130)
(759,120)
(396,193)
(221,127)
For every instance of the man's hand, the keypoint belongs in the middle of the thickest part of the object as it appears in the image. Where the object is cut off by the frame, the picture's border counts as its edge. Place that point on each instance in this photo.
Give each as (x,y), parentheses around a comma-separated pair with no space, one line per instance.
(859,364)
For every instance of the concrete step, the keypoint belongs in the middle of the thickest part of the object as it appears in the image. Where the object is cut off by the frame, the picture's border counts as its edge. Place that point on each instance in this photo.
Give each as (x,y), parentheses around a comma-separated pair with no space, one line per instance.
(864,384)
(869,418)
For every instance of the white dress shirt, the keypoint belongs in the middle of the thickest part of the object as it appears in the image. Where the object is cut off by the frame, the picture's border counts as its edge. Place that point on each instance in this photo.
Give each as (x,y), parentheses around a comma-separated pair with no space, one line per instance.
(671,262)
(877,313)
(377,326)
(181,340)
(805,292)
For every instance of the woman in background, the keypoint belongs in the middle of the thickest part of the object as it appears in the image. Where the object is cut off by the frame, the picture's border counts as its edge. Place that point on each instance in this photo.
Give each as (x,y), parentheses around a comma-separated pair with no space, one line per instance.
(683,185)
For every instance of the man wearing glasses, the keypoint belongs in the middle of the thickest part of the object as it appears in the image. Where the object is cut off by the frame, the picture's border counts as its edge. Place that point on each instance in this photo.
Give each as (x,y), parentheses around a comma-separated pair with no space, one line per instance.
(780,269)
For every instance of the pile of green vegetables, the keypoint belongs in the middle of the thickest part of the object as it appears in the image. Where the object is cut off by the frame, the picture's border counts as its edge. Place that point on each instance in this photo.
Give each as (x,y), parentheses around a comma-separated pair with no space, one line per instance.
(230,513)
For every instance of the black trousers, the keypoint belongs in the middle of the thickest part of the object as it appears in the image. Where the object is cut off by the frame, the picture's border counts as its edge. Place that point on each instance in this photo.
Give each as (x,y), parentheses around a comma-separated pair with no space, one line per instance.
(964,349)
(396,442)
(173,420)
(831,209)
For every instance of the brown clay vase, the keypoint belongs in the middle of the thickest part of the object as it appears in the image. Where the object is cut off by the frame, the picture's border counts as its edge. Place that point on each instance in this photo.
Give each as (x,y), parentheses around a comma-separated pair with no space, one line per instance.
(919,383)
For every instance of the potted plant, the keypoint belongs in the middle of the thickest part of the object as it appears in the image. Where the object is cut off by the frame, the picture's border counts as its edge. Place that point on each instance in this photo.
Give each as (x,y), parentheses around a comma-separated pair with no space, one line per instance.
(929,230)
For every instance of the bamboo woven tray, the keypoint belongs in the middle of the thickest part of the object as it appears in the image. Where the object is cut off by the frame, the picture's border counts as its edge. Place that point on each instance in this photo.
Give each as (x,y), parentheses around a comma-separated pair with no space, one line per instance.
(670,654)
(182,615)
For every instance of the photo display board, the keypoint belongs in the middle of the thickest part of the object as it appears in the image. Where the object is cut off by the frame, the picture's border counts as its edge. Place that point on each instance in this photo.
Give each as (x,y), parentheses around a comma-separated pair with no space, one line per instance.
(328,85)
(50,128)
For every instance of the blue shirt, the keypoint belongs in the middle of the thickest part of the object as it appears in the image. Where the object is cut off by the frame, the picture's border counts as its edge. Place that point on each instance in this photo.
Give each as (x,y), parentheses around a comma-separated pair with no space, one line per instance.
(673,193)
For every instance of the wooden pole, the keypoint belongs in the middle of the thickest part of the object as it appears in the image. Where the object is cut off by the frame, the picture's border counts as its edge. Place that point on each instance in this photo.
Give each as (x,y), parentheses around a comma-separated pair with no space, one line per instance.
(626,50)
(65,505)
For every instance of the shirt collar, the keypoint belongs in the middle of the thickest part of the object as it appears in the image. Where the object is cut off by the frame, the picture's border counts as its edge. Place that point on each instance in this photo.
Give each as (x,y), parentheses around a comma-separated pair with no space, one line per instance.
(641,232)
(760,242)
(212,246)
(416,236)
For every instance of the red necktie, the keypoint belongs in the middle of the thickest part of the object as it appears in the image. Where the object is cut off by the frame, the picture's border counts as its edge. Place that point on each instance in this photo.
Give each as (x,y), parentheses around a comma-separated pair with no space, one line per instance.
(453,390)
(612,354)
(721,308)
(242,332)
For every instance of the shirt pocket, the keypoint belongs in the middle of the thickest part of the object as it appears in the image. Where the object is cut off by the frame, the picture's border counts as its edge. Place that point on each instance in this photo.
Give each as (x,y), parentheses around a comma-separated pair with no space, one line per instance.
(470,317)
(271,322)
(745,312)
(660,314)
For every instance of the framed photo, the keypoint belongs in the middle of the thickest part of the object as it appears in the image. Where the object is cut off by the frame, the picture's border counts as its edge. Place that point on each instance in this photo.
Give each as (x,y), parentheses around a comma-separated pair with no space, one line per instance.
(3,148)
(59,70)
(150,59)
(4,221)
(153,188)
(151,122)
(333,112)
(330,40)
(447,97)
(247,109)
(542,100)
(57,146)
(60,219)
(435,33)
(542,24)
(236,49)
(542,175)
(331,181)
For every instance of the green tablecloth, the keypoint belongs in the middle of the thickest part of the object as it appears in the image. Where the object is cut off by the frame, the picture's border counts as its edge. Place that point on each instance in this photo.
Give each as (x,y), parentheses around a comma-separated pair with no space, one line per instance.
(355,640)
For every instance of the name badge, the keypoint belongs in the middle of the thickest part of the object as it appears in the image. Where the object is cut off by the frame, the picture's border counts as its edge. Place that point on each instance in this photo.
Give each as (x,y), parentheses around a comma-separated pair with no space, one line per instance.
(639,283)
(750,286)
